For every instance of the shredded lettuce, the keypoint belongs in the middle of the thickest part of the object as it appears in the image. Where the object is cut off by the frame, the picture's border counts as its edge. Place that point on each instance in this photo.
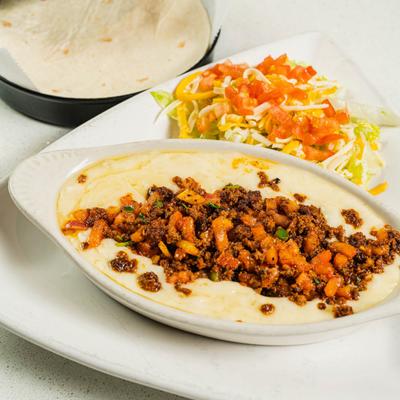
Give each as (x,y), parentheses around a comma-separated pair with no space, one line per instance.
(364,162)
(376,115)
(162,98)
(356,169)
(370,131)
(236,135)
(293,63)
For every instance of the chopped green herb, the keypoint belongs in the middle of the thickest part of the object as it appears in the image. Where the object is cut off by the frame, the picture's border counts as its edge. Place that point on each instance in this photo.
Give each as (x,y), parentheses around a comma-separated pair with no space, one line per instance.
(129,209)
(316,281)
(230,186)
(143,218)
(124,244)
(158,204)
(214,276)
(185,206)
(282,233)
(213,205)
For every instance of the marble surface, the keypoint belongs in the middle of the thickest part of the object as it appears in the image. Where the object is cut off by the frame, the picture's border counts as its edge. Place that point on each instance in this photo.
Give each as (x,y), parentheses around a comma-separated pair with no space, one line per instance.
(366,30)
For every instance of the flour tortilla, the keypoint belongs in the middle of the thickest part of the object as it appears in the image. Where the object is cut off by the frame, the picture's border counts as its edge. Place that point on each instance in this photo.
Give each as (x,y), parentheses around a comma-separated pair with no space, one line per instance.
(102,48)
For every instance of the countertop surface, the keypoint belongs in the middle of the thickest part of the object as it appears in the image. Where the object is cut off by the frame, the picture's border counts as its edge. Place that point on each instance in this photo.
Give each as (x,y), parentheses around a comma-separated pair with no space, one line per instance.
(367,31)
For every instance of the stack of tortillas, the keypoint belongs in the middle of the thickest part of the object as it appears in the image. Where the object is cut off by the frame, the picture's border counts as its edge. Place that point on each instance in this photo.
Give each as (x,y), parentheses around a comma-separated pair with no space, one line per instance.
(102,48)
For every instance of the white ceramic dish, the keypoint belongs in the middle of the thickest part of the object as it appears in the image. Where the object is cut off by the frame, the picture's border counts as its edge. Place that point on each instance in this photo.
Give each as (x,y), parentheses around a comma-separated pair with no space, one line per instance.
(44,299)
(55,168)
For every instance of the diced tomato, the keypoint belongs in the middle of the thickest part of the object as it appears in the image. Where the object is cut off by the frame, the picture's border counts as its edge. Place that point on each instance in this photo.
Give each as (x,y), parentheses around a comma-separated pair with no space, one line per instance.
(246,105)
(281,116)
(329,111)
(220,109)
(230,92)
(280,69)
(274,93)
(314,154)
(243,86)
(233,70)
(311,71)
(329,139)
(306,137)
(277,66)
(279,132)
(265,64)
(282,59)
(207,81)
(342,117)
(228,69)
(241,100)
(203,124)
(283,123)
(285,86)
(303,130)
(296,72)
(302,74)
(258,88)
(324,126)
(299,94)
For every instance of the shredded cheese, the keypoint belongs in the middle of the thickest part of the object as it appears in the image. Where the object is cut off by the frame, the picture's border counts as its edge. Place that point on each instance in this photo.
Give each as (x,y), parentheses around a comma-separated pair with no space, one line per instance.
(378,189)
(257,73)
(304,108)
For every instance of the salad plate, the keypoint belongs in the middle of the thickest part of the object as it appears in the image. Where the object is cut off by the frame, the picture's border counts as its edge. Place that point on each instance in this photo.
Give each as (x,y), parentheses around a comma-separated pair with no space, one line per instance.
(46,300)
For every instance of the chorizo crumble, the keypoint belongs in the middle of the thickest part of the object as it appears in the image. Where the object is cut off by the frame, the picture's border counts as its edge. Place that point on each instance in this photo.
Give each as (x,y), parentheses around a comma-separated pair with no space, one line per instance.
(149,281)
(267,309)
(352,217)
(301,198)
(82,178)
(265,182)
(122,263)
(276,246)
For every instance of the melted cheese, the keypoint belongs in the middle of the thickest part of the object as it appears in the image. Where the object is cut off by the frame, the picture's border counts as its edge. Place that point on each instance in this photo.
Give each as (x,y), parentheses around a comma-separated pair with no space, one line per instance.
(108,180)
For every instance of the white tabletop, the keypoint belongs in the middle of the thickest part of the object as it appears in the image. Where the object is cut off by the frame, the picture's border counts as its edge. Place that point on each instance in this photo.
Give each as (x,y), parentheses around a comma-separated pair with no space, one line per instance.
(367,30)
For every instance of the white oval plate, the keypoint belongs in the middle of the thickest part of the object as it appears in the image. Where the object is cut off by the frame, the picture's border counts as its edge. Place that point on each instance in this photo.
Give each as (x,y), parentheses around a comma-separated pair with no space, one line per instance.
(44,299)
(56,167)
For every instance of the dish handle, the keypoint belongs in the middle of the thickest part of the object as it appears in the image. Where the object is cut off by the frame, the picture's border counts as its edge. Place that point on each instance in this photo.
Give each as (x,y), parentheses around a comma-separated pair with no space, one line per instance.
(33,186)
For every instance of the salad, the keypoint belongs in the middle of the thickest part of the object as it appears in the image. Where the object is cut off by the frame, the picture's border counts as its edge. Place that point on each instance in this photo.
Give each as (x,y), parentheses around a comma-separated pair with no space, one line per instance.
(285,106)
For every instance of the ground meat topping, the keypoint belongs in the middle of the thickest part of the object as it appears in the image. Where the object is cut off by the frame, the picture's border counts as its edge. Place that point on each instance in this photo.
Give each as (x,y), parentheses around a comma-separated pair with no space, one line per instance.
(342,311)
(122,263)
(265,182)
(275,245)
(149,281)
(267,309)
(81,178)
(263,179)
(185,291)
(352,217)
(301,198)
